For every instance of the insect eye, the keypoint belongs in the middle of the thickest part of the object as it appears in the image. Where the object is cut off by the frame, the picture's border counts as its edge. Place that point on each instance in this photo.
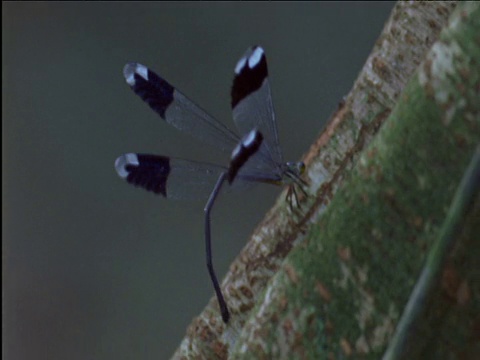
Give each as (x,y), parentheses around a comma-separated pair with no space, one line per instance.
(301,167)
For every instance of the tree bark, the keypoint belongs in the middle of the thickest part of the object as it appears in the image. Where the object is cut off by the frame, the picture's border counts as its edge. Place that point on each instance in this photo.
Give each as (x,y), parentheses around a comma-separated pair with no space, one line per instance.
(342,288)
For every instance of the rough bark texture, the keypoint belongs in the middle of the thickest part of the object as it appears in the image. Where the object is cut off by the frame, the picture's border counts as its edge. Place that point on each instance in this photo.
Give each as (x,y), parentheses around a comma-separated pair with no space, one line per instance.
(342,289)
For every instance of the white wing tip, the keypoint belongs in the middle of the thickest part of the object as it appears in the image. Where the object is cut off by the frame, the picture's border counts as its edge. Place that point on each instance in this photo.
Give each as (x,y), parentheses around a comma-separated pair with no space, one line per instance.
(251,57)
(123,161)
(255,57)
(132,68)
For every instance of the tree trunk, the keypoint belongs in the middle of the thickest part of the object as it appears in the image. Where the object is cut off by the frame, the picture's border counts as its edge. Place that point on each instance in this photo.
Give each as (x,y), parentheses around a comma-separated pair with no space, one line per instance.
(332,280)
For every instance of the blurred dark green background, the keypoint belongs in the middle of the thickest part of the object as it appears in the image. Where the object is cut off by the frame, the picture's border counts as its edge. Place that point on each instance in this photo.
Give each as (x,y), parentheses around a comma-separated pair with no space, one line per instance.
(92,267)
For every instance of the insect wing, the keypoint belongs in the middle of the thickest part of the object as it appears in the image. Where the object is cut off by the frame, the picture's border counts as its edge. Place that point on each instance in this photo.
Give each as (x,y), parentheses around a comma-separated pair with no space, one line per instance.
(176,109)
(252,105)
(173,178)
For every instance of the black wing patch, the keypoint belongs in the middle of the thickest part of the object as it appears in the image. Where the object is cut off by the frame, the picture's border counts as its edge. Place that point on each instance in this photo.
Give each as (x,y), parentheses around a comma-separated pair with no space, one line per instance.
(250,72)
(154,90)
(244,151)
(147,171)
